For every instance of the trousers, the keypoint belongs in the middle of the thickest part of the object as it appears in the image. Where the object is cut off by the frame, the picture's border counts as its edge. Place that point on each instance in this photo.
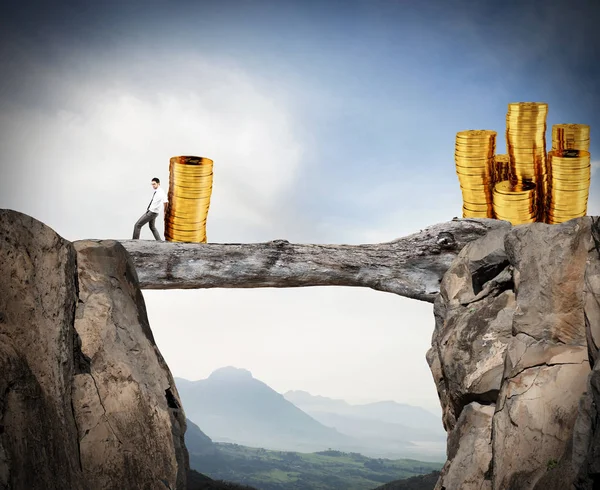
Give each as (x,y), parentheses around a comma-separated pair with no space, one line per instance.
(150,218)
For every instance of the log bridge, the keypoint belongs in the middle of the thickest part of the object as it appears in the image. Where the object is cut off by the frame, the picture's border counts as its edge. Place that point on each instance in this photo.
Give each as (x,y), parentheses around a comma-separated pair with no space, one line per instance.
(412,266)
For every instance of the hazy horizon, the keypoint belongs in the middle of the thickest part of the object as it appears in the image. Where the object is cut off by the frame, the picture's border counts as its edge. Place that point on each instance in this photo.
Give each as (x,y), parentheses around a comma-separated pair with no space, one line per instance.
(357,401)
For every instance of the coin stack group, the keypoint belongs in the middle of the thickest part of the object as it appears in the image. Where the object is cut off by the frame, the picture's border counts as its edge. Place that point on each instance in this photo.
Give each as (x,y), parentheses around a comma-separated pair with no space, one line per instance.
(526,185)
(190,188)
(570,173)
(474,158)
(526,145)
(571,137)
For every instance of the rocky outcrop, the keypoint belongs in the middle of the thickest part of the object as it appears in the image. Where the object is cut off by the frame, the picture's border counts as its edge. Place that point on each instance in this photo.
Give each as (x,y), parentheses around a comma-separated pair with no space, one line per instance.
(514,319)
(469,450)
(86,400)
(38,294)
(130,422)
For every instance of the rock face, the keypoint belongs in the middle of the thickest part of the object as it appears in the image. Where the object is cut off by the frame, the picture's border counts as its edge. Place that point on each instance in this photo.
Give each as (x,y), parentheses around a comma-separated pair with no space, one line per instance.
(128,413)
(86,400)
(38,294)
(516,320)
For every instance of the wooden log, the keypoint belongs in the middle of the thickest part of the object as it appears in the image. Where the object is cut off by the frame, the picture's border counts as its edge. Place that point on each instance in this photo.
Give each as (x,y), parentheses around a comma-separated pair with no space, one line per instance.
(412,266)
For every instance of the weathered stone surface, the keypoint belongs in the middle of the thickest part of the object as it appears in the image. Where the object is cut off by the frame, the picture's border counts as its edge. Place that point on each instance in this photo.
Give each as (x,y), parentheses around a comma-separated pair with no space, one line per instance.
(586,447)
(92,408)
(470,352)
(469,451)
(536,414)
(473,315)
(532,305)
(583,441)
(38,294)
(550,263)
(536,409)
(589,471)
(592,292)
(129,415)
(547,360)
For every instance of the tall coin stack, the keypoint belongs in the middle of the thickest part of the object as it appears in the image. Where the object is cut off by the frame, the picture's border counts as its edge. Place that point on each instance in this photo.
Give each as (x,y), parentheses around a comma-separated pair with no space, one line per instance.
(474,157)
(515,202)
(501,168)
(526,144)
(190,188)
(570,174)
(571,137)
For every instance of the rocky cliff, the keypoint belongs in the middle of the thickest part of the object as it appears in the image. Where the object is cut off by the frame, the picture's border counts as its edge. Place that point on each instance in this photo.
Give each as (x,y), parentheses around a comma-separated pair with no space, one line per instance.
(87,402)
(513,357)
(86,399)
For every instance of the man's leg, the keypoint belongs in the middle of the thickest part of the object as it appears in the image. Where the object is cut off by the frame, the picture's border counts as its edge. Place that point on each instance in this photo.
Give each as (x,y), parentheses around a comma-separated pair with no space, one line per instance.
(145,218)
(152,227)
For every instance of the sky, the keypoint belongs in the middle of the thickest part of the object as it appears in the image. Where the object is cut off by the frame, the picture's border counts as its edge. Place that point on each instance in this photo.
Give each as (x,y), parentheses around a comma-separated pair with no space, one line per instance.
(328,122)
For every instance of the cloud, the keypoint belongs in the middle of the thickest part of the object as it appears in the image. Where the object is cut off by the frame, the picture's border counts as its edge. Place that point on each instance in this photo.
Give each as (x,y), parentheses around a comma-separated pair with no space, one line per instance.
(85,160)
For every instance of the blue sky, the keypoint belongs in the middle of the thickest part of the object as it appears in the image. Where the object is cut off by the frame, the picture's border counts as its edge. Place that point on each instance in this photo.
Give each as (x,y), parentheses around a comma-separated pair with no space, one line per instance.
(329,122)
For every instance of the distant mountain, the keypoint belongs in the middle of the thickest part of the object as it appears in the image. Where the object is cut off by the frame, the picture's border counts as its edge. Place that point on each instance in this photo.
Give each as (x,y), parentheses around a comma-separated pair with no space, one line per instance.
(386,429)
(196,441)
(366,428)
(385,411)
(232,406)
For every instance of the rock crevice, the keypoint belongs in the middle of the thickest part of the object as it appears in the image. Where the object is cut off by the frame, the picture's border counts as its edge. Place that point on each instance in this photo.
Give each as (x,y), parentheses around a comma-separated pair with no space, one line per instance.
(541,359)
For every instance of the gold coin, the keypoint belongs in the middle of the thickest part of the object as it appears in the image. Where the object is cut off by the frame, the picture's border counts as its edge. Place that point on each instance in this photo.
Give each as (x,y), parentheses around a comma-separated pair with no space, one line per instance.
(527,106)
(471,134)
(506,187)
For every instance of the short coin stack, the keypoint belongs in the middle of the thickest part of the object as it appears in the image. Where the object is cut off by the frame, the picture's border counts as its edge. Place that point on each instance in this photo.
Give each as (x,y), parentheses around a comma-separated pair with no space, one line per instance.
(526,144)
(569,183)
(515,202)
(474,158)
(501,168)
(571,137)
(190,188)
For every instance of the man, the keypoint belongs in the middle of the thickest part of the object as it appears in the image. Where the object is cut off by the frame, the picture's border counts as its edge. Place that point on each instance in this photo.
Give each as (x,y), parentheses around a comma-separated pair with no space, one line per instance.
(159,197)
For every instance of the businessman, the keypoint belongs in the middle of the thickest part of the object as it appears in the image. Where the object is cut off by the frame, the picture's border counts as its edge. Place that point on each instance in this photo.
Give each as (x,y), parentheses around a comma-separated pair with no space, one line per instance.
(159,197)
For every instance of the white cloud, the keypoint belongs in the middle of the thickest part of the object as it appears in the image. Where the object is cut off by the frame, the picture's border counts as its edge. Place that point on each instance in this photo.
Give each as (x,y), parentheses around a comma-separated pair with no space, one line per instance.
(85,165)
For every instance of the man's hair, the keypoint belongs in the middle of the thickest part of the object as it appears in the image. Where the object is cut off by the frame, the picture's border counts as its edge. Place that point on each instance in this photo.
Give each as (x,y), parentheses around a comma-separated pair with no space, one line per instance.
(156,179)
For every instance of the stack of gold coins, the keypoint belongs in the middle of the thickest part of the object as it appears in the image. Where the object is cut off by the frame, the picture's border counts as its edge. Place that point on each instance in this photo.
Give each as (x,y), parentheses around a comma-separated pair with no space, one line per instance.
(474,157)
(526,144)
(515,202)
(571,137)
(501,168)
(569,185)
(190,188)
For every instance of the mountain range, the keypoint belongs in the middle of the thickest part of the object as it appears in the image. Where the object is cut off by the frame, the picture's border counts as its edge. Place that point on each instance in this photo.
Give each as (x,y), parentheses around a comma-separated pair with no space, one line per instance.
(232,406)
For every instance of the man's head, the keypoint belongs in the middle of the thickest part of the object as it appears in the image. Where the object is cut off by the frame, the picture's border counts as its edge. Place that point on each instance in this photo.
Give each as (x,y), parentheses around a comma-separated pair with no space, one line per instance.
(155,182)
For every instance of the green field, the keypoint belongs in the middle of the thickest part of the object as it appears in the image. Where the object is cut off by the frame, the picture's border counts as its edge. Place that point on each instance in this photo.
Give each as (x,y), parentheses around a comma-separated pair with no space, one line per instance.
(325,470)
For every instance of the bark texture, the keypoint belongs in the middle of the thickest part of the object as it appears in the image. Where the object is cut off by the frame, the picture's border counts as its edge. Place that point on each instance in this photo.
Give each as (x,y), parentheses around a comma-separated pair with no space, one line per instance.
(412,266)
